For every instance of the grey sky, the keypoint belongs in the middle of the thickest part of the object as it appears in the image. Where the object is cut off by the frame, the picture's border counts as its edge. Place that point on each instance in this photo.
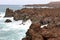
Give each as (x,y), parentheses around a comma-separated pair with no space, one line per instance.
(23,2)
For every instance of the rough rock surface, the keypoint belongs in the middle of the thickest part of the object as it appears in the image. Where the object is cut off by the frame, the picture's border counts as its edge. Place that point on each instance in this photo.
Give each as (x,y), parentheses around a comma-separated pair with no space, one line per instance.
(51,32)
(7,21)
(9,13)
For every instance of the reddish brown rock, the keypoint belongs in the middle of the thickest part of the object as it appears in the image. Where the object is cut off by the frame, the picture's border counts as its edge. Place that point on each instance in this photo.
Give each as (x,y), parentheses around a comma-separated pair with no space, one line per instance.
(58,38)
(32,33)
(51,32)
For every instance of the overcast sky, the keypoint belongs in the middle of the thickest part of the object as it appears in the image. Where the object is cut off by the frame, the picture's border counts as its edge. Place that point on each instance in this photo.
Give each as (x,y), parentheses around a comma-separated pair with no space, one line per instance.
(23,2)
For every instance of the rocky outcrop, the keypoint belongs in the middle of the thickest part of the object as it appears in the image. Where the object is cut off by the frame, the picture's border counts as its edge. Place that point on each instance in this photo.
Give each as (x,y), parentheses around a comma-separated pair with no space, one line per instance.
(51,32)
(35,14)
(32,33)
(7,21)
(9,13)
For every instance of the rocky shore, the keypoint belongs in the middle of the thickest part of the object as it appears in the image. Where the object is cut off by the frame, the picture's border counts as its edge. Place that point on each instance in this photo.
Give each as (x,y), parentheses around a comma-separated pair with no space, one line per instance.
(39,16)
(51,32)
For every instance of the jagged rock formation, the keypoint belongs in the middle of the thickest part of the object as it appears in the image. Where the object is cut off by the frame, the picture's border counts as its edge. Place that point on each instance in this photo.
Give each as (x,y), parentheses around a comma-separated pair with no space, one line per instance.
(7,21)
(9,13)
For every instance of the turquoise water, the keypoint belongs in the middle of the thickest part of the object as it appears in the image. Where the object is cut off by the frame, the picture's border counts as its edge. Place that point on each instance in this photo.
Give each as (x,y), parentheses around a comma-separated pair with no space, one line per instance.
(11,34)
(12,30)
(13,7)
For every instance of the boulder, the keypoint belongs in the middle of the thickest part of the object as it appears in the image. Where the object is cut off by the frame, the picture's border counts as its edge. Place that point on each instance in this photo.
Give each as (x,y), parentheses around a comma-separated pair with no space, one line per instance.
(7,21)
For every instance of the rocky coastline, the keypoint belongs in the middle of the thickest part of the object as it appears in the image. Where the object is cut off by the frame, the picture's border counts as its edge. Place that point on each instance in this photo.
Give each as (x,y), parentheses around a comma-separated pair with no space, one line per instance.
(39,16)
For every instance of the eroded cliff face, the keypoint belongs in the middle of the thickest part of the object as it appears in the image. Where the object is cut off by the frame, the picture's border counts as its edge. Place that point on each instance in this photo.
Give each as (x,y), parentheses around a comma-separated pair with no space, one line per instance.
(39,16)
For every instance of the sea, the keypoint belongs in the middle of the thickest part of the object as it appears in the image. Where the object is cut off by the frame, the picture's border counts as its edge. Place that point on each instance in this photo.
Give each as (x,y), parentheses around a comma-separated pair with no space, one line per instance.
(14,30)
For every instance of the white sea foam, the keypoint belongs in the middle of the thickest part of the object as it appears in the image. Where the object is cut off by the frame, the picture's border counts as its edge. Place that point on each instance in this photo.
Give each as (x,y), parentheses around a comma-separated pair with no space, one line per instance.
(44,25)
(14,30)
(2,14)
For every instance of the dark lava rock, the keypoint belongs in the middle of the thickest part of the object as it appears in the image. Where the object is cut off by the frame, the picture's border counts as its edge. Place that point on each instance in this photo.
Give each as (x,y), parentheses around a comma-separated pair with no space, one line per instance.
(9,13)
(7,21)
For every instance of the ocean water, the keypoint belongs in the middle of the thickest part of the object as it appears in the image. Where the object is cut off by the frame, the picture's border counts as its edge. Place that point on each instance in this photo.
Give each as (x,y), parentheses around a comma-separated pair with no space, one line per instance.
(13,7)
(14,30)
